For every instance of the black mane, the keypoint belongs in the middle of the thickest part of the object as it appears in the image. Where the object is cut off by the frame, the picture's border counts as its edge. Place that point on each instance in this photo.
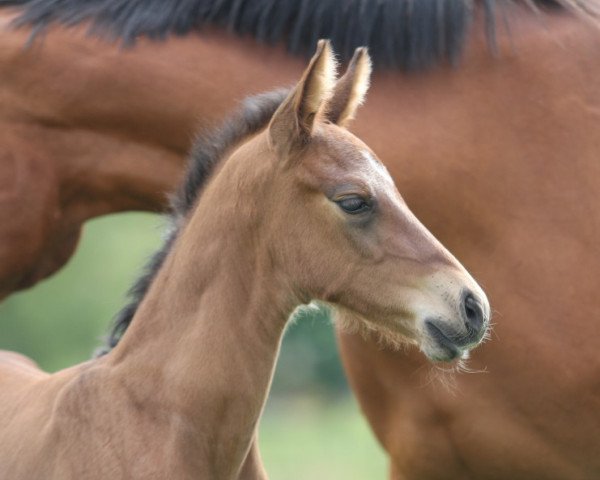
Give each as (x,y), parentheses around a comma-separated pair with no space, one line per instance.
(206,153)
(405,34)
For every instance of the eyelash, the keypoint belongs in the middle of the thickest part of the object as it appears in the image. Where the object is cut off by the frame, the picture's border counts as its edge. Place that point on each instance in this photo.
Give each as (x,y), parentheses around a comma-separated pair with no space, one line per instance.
(353,204)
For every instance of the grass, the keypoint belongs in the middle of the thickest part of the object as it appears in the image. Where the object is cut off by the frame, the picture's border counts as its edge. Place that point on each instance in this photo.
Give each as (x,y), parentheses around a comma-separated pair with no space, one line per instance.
(308,439)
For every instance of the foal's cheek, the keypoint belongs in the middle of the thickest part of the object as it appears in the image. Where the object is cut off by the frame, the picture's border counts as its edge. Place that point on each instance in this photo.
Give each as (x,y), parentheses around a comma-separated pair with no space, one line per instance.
(365,241)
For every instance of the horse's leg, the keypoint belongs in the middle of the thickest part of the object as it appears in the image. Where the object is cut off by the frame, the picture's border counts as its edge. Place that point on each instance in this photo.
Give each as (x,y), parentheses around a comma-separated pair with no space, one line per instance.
(253,468)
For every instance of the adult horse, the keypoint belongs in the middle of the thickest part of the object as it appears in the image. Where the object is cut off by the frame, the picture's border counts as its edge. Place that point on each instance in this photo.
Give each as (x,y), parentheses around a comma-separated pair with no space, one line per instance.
(498,156)
(291,185)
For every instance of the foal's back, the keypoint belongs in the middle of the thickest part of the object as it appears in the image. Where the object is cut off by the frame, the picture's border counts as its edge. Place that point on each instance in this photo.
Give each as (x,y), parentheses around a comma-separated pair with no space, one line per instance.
(19,377)
(46,419)
(22,384)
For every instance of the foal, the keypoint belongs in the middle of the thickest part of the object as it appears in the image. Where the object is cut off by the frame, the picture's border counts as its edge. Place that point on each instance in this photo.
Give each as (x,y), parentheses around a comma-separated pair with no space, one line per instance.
(295,211)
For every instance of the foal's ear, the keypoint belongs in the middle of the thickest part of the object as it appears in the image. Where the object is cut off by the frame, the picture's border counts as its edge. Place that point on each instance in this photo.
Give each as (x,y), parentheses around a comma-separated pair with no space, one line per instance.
(350,90)
(292,123)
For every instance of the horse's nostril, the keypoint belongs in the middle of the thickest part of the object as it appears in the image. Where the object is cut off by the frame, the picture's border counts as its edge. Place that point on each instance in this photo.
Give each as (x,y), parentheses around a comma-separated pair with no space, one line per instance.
(471,310)
(474,316)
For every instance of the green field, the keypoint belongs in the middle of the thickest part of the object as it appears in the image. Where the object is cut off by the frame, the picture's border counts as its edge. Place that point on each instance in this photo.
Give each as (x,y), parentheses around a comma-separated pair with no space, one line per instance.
(308,439)
(311,429)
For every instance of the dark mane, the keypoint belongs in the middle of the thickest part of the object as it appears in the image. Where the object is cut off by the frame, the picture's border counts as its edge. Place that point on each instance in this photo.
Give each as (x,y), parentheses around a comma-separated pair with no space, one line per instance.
(405,34)
(207,151)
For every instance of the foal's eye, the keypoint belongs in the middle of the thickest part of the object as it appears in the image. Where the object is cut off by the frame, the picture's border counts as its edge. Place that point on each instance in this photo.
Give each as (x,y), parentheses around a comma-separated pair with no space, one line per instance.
(353,204)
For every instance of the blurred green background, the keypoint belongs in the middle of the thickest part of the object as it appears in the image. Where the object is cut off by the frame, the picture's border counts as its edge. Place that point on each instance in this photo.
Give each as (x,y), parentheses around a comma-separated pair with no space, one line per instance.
(311,429)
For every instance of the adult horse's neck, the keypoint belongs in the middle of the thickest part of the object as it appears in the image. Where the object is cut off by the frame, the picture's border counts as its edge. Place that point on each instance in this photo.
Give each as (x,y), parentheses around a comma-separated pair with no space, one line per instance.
(204,342)
(89,129)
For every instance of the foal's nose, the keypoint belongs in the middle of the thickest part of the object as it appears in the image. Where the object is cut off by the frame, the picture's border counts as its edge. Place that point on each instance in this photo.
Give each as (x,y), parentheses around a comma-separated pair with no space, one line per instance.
(474,314)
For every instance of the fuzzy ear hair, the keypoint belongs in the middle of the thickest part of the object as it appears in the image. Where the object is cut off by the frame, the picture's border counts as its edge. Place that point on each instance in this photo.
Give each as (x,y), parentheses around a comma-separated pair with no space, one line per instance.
(293,121)
(350,90)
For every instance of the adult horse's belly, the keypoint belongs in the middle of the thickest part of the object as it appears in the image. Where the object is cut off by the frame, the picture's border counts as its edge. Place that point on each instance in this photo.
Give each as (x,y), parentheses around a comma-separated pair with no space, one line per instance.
(500,160)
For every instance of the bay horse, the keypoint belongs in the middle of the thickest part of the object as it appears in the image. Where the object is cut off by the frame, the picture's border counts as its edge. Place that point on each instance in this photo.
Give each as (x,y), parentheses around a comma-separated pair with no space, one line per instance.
(292,208)
(497,154)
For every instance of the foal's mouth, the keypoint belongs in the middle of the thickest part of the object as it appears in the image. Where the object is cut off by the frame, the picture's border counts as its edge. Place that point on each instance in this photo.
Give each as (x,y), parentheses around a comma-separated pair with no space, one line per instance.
(449,347)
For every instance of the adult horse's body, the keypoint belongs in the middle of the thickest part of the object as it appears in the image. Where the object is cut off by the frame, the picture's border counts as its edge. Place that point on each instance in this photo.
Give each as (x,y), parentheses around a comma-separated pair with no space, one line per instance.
(181,395)
(498,156)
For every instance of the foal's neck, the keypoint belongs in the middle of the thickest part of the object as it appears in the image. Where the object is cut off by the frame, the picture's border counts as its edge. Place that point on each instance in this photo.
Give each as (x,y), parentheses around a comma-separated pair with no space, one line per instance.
(204,342)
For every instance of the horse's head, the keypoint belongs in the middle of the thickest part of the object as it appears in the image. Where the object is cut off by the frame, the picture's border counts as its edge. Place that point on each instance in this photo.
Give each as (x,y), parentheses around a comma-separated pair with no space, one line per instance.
(341,233)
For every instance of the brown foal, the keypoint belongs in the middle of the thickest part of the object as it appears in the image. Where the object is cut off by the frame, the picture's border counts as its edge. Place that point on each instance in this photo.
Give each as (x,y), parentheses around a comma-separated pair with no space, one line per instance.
(298,211)
(498,157)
